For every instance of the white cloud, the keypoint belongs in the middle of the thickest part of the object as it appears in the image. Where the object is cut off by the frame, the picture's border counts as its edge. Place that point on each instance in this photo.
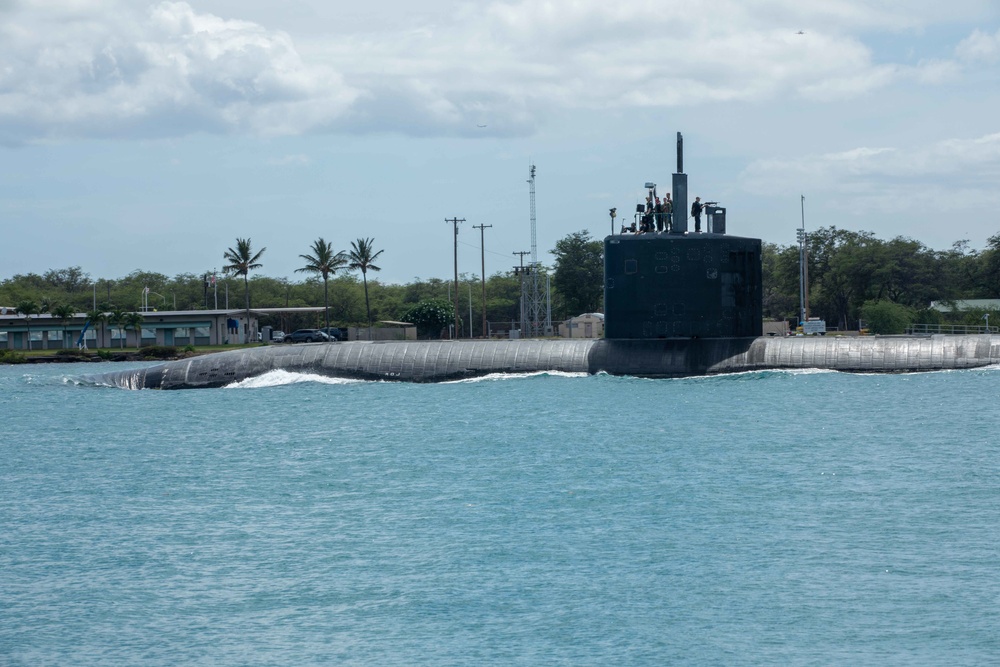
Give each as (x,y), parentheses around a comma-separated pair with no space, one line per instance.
(172,71)
(980,47)
(87,68)
(914,179)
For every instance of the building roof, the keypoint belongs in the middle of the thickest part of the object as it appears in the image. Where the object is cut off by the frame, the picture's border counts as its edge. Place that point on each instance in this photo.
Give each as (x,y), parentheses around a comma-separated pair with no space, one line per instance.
(965,304)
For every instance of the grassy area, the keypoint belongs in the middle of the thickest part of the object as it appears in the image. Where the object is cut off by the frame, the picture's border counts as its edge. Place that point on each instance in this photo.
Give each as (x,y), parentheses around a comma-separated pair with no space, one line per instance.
(198,349)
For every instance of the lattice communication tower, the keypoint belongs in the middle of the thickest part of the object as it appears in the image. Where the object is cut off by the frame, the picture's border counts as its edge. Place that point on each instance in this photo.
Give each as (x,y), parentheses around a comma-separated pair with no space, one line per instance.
(538,318)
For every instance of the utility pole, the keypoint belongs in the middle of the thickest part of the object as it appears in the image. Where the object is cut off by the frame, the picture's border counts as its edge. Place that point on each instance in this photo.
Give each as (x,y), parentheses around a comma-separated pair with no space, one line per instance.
(455,222)
(482,256)
(519,270)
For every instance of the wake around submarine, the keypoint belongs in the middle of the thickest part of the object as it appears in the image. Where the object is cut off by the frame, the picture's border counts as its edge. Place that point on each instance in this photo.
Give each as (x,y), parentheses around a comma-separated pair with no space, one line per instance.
(677,304)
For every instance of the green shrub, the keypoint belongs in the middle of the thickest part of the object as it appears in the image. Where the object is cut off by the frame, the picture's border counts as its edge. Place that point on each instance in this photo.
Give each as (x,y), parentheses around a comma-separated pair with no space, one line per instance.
(159,352)
(886,317)
(106,354)
(189,348)
(11,357)
(431,317)
(929,316)
(70,352)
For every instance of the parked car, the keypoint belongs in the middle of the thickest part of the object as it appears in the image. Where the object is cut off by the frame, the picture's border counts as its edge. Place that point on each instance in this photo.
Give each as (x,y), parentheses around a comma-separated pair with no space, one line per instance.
(278,336)
(307,336)
(334,333)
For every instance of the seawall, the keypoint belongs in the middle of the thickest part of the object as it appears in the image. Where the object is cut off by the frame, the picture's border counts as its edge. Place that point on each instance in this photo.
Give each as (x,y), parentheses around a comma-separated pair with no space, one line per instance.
(437,361)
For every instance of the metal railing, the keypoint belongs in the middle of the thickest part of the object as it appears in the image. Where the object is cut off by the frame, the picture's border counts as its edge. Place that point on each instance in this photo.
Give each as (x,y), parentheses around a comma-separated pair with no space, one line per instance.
(950,329)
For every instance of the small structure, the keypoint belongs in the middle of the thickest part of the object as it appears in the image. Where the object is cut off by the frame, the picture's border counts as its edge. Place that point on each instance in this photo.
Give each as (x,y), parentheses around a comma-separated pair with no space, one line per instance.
(776,328)
(390,330)
(588,325)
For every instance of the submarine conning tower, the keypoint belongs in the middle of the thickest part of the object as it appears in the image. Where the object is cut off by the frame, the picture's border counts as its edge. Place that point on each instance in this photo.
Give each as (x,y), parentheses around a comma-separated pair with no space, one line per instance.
(679,283)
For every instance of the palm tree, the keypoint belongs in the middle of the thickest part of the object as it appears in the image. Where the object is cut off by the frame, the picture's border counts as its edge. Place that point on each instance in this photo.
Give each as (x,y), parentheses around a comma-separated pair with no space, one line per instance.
(134,321)
(97,317)
(27,309)
(63,314)
(362,257)
(242,261)
(116,318)
(323,261)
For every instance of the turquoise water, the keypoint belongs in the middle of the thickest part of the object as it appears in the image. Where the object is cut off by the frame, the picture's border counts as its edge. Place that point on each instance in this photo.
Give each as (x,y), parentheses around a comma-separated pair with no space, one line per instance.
(799,518)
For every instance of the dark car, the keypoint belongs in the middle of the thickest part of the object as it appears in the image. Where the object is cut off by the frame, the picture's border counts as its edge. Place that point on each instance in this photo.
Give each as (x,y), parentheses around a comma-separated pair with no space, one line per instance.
(334,333)
(306,336)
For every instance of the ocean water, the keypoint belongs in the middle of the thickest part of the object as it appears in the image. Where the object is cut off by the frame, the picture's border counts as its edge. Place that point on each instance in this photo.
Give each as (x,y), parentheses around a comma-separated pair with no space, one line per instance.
(792,518)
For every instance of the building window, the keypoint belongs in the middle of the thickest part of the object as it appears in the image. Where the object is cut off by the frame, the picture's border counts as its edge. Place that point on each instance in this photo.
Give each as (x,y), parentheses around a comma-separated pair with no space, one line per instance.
(148,334)
(202,332)
(55,335)
(182,332)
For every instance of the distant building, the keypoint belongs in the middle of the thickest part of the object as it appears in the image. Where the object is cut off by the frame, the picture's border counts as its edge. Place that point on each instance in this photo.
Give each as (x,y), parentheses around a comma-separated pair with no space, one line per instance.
(965,304)
(174,327)
(588,325)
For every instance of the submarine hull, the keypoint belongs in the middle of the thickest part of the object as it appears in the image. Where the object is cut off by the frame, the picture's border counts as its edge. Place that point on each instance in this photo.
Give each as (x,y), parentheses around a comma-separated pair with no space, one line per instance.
(439,361)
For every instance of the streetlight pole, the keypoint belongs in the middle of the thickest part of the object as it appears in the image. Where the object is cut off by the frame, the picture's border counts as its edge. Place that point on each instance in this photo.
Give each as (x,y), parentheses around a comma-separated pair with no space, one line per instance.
(519,270)
(482,259)
(801,234)
(805,254)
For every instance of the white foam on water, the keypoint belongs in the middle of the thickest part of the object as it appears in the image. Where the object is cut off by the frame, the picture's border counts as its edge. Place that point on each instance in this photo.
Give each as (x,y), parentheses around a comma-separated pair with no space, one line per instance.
(280,377)
(495,377)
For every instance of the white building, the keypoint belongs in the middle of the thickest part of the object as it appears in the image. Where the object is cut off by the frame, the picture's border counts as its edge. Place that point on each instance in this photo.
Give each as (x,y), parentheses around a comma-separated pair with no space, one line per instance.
(588,325)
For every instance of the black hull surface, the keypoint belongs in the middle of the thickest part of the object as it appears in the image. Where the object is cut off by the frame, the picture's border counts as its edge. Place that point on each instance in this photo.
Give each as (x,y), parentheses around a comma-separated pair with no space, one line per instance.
(438,361)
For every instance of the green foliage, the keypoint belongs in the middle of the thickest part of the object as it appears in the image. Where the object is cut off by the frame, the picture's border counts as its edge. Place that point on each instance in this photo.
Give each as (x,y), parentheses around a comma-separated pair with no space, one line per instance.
(928,316)
(323,261)
(71,352)
(107,355)
(431,317)
(11,357)
(363,256)
(579,274)
(242,260)
(886,317)
(134,321)
(846,270)
(975,317)
(159,352)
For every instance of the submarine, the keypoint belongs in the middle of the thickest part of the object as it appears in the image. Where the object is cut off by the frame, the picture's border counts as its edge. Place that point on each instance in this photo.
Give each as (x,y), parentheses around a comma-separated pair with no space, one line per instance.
(678,303)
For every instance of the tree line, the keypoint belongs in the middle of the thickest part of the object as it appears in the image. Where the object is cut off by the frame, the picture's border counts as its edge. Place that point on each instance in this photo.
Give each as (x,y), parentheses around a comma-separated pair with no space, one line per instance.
(855,276)
(337,280)
(852,276)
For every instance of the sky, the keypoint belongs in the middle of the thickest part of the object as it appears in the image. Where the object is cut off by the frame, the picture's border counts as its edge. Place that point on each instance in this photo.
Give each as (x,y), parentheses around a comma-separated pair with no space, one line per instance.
(150,136)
